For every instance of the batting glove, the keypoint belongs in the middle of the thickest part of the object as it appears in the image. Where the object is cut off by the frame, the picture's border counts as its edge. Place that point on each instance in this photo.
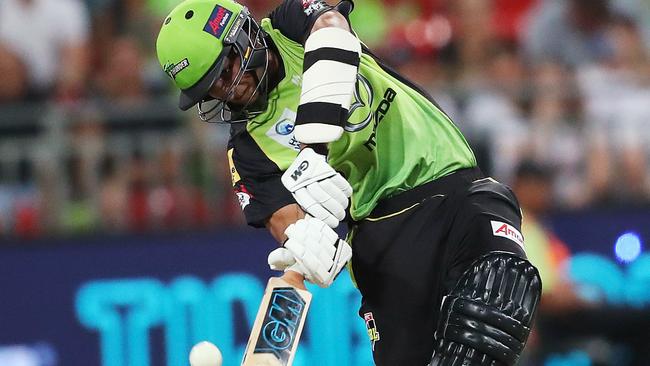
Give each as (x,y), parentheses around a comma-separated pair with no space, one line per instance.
(313,249)
(281,259)
(317,187)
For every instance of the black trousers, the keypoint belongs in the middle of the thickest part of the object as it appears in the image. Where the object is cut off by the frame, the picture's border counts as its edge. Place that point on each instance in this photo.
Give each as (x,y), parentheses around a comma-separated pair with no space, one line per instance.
(409,253)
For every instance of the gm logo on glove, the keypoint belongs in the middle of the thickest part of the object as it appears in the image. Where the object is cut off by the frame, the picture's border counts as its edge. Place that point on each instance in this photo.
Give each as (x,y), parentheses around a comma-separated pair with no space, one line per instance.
(320,190)
(301,168)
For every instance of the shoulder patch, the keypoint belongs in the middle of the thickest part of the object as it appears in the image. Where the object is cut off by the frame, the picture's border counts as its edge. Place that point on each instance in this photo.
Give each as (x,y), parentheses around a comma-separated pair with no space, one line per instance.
(243,196)
(312,6)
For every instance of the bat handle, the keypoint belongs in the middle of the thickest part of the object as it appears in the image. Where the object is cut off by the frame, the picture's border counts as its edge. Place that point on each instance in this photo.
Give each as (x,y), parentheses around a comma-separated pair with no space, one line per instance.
(294,279)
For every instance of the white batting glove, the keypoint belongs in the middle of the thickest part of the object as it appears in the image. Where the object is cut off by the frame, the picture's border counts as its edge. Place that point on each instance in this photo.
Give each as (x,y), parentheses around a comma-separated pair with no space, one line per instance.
(316,248)
(317,187)
(281,259)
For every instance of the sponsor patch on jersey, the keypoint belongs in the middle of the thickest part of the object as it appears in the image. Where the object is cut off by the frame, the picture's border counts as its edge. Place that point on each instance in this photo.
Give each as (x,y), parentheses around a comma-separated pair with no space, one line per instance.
(217,21)
(282,130)
(507,231)
(311,6)
(234,174)
(173,69)
(243,196)
(371,326)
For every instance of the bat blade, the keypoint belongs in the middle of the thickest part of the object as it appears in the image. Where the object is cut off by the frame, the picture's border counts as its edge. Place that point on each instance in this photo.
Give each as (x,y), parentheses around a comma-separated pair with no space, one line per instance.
(278,325)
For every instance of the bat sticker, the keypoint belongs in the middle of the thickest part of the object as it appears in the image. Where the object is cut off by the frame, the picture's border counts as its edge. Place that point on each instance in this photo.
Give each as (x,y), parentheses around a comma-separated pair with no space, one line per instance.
(281,322)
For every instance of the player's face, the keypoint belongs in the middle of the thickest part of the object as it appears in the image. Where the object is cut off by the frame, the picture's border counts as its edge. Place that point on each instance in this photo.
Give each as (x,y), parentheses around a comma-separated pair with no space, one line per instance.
(241,94)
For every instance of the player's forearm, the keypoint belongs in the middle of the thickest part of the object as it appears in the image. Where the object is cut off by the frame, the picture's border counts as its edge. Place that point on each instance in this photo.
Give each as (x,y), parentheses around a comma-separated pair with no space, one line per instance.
(281,219)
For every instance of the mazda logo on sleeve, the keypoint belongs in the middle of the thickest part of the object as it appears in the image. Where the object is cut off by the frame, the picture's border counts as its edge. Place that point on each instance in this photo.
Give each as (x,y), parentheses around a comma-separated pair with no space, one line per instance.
(361,106)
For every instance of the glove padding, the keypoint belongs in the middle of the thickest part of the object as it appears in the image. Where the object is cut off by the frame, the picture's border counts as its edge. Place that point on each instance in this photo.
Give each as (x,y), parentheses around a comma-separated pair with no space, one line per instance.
(281,259)
(312,249)
(317,187)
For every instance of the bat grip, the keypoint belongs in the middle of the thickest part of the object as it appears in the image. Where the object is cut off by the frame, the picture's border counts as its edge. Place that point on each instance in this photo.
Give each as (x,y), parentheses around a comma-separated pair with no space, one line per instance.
(295,279)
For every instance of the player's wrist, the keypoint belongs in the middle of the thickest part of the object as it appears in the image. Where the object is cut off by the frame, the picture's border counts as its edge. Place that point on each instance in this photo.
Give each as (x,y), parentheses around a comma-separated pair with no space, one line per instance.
(320,149)
(294,278)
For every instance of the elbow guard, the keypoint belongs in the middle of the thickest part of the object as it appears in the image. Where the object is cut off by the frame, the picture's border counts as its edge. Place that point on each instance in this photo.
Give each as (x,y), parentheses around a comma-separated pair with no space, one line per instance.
(329,75)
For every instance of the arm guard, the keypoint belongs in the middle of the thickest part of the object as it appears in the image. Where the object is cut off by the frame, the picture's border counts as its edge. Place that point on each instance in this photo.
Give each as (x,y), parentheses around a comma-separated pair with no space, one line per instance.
(329,74)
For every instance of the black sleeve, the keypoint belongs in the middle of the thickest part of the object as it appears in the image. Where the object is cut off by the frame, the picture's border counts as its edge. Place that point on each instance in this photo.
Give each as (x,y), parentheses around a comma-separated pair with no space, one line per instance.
(260,198)
(295,18)
(256,180)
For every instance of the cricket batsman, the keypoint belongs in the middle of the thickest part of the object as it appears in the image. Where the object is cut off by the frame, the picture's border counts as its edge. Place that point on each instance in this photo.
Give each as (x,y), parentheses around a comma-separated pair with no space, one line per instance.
(322,131)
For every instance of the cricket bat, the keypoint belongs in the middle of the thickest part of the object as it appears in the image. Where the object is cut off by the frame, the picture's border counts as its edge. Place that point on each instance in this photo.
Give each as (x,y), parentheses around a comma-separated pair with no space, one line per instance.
(279,322)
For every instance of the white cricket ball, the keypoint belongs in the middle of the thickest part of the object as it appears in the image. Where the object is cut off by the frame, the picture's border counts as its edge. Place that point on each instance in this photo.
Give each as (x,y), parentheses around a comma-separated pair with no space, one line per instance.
(205,354)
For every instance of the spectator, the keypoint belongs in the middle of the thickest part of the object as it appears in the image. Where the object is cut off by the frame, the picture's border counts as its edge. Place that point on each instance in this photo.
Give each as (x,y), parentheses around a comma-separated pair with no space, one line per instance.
(169,199)
(138,189)
(49,37)
(14,77)
(122,84)
(617,101)
(87,141)
(429,74)
(475,34)
(113,195)
(532,185)
(639,11)
(556,130)
(495,113)
(509,18)
(26,202)
(571,32)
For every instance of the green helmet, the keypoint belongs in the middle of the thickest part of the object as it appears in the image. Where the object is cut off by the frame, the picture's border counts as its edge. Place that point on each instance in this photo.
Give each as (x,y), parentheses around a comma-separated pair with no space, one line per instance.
(195,39)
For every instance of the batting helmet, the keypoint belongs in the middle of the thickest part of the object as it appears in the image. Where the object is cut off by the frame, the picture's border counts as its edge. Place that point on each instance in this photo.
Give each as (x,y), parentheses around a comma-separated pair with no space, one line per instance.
(194,42)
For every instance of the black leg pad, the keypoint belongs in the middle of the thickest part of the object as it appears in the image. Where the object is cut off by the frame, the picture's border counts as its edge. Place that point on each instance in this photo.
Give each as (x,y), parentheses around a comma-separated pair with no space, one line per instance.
(486,318)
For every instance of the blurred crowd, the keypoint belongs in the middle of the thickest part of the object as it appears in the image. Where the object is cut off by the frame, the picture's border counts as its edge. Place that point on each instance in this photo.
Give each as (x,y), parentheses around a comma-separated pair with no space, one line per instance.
(559,85)
(564,83)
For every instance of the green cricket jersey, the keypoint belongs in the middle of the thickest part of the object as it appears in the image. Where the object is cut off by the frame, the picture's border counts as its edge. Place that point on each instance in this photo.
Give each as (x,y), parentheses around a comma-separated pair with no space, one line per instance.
(396,137)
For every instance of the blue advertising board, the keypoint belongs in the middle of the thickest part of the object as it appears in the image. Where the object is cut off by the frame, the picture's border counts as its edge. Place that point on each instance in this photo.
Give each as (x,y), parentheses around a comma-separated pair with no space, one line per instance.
(140,301)
(145,300)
